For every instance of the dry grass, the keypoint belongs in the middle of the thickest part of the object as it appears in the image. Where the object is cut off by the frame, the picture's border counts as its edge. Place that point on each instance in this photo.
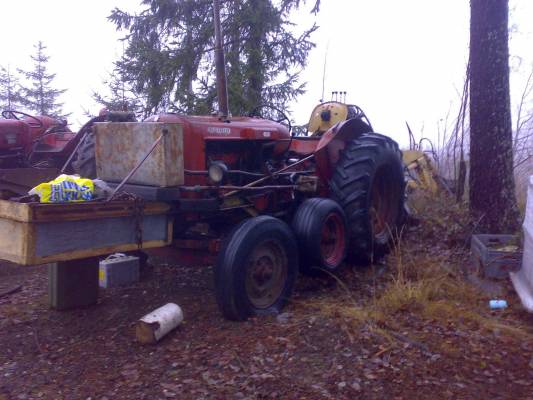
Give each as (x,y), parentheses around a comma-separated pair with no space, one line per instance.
(425,279)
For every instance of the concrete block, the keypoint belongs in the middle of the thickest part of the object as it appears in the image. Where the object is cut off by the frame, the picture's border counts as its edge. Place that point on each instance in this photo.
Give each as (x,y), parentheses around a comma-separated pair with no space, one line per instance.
(73,283)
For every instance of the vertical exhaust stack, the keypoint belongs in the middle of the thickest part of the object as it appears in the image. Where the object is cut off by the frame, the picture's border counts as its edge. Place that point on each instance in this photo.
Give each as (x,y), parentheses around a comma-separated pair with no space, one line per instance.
(220,64)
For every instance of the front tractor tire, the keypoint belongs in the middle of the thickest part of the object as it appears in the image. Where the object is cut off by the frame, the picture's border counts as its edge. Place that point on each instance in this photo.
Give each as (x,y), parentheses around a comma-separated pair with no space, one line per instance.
(368,183)
(256,269)
(320,228)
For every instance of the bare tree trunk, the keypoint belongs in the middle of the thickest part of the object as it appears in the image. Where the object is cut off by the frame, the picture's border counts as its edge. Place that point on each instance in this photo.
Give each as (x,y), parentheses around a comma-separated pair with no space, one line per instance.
(492,190)
(460,129)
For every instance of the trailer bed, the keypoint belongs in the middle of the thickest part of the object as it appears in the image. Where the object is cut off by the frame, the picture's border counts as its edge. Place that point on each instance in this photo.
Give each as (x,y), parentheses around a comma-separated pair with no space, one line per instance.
(37,233)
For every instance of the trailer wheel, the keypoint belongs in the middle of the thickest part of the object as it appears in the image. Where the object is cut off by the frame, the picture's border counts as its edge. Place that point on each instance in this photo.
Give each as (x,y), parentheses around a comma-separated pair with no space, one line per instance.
(320,228)
(368,183)
(85,162)
(256,269)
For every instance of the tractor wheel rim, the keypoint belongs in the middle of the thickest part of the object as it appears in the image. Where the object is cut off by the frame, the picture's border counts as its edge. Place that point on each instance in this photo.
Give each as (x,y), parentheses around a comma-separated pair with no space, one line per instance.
(384,204)
(266,274)
(333,240)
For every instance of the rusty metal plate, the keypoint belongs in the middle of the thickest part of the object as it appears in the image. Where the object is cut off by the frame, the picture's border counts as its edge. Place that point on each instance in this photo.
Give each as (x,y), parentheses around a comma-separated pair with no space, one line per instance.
(18,181)
(121,145)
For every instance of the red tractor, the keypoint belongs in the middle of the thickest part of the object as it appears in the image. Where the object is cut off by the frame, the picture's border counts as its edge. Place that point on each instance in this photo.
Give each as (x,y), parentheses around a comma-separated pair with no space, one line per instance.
(256,201)
(25,139)
(262,205)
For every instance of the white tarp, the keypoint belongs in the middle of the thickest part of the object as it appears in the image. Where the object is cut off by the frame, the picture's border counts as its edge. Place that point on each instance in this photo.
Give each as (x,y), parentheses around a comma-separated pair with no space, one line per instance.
(523,279)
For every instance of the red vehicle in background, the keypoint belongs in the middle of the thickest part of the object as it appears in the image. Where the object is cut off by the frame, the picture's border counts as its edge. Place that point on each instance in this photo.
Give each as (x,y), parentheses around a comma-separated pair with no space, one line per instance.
(36,148)
(27,140)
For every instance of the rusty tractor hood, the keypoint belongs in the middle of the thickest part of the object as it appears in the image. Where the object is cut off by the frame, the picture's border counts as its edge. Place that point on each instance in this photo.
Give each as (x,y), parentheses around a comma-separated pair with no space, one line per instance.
(199,130)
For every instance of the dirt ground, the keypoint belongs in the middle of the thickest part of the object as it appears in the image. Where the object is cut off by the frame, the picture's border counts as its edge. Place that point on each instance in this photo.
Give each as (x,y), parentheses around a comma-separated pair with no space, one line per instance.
(305,353)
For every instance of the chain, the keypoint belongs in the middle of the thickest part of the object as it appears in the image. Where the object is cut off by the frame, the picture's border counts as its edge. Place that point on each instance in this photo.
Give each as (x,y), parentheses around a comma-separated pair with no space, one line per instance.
(138,213)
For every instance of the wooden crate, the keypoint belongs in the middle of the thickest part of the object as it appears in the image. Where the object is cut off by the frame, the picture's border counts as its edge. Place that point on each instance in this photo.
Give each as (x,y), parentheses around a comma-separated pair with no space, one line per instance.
(36,233)
(492,258)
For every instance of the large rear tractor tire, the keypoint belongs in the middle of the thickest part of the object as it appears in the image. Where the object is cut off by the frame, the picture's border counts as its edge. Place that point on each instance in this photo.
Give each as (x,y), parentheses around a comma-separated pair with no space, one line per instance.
(320,228)
(256,269)
(84,163)
(368,183)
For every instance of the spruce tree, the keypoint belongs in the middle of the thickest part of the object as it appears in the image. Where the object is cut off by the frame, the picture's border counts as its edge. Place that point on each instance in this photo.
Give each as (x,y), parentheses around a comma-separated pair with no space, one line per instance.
(39,96)
(120,95)
(10,97)
(169,54)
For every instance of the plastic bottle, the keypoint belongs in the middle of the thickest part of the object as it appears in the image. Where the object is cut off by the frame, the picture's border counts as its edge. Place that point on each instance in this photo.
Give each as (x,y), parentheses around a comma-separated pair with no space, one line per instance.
(497,304)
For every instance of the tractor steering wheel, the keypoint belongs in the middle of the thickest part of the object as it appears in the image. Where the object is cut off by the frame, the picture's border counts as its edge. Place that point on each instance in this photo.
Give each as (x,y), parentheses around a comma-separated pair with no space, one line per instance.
(256,112)
(13,114)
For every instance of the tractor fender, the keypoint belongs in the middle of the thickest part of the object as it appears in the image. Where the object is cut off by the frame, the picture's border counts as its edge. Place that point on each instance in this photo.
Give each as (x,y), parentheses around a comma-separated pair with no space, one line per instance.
(333,141)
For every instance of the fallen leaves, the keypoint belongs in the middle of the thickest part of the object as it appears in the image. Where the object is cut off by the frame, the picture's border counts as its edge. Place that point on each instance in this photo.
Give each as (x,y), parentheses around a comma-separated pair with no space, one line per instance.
(303,353)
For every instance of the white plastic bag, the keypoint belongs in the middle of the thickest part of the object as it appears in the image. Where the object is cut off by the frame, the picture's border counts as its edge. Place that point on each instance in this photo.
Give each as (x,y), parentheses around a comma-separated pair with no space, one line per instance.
(523,279)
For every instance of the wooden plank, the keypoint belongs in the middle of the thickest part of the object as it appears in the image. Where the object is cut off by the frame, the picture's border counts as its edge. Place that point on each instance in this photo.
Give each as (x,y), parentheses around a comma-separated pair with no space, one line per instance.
(94,252)
(93,210)
(14,240)
(15,211)
(22,243)
(40,212)
(62,232)
(67,236)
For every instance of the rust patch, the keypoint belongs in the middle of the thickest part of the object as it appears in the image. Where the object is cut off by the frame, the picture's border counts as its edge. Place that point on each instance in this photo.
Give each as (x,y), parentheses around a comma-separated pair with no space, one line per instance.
(121,145)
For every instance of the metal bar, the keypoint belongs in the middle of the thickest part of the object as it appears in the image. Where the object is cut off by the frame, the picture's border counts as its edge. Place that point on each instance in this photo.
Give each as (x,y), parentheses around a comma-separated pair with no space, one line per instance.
(9,156)
(235,188)
(127,178)
(231,171)
(270,176)
(240,207)
(220,64)
(240,172)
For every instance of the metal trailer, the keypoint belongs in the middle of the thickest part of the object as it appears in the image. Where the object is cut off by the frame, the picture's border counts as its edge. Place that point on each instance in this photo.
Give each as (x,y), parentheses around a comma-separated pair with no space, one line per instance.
(70,239)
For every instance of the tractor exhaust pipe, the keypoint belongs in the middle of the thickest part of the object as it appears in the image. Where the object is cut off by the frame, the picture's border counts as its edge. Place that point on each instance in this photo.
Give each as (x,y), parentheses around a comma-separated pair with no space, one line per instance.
(220,64)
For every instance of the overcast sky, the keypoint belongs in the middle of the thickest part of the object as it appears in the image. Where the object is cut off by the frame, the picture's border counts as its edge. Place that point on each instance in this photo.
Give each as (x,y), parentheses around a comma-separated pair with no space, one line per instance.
(398,60)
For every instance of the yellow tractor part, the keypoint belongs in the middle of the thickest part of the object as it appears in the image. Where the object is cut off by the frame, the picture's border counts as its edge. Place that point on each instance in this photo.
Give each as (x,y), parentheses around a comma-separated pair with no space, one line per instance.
(422,180)
(325,115)
(422,174)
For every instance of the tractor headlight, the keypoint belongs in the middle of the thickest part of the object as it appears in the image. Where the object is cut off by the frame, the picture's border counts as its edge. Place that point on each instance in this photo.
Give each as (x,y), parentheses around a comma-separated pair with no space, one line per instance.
(217,172)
